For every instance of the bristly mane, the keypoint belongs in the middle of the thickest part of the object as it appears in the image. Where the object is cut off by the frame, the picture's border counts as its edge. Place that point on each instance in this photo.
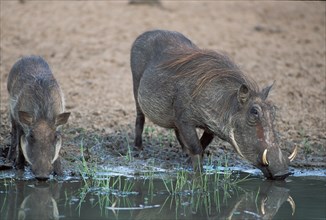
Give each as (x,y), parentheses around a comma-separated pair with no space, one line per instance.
(205,66)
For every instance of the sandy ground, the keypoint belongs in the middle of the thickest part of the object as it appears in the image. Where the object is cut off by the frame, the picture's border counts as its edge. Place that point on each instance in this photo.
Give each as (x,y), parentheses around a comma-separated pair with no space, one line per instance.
(87,45)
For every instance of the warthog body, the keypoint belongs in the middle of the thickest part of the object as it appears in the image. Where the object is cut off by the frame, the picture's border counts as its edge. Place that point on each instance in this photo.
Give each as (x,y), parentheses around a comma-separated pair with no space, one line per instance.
(179,86)
(37,111)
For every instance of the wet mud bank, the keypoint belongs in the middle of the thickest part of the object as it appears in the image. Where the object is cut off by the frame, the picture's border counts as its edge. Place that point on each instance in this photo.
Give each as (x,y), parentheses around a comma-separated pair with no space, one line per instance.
(116,151)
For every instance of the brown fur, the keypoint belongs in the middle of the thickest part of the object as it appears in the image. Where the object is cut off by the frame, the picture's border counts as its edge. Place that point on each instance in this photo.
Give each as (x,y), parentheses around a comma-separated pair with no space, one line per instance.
(205,66)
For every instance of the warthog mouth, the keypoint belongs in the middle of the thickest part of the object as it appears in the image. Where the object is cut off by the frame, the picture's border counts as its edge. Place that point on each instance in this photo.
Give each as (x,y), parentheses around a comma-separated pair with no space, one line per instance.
(264,164)
(279,175)
(291,157)
(42,178)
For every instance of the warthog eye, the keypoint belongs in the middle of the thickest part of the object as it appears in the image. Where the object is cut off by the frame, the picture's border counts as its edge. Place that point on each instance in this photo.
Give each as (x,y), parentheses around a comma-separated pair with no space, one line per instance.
(254,111)
(31,138)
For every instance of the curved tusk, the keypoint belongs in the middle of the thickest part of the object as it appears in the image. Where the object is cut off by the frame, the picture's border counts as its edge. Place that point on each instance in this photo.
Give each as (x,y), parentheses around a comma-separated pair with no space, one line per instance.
(234,143)
(23,146)
(57,150)
(294,154)
(264,158)
(292,203)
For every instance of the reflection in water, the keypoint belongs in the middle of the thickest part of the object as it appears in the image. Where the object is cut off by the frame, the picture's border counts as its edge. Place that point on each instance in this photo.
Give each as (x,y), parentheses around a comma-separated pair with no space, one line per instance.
(247,202)
(39,204)
(253,199)
(261,205)
(32,201)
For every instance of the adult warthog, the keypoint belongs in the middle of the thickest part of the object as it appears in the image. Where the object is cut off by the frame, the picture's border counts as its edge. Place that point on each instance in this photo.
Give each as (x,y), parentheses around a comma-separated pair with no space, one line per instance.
(180,86)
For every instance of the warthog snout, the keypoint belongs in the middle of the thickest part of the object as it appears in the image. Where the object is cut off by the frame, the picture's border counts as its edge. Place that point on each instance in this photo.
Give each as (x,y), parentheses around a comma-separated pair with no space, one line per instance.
(275,165)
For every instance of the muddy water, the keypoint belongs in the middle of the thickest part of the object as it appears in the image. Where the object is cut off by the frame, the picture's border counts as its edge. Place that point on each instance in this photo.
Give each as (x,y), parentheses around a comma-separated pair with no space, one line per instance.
(299,197)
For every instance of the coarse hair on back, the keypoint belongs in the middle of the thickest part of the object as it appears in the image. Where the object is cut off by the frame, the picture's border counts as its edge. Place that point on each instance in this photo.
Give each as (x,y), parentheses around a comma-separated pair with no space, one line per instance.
(205,66)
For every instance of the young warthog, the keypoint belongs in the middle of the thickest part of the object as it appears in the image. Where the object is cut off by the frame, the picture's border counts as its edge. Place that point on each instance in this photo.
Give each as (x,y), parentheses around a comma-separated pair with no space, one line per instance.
(37,111)
(179,86)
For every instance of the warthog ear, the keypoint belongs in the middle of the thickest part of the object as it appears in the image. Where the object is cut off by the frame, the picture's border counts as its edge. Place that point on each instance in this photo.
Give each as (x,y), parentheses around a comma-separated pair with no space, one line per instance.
(62,118)
(25,118)
(265,92)
(243,94)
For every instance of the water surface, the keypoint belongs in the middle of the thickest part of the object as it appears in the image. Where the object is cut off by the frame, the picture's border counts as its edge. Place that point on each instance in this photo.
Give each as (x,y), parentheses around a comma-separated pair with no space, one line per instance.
(299,197)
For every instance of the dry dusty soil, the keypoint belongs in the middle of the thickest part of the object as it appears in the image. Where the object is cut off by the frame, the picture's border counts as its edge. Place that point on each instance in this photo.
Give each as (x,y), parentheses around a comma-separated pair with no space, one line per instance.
(87,44)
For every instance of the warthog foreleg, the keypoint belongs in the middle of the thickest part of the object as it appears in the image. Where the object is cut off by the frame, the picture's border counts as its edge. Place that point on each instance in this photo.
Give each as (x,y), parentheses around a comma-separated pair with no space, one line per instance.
(188,139)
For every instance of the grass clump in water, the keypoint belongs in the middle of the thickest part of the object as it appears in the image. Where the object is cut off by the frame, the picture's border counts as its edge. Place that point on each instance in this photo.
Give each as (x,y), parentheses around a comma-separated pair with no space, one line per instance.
(186,181)
(108,188)
(93,177)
